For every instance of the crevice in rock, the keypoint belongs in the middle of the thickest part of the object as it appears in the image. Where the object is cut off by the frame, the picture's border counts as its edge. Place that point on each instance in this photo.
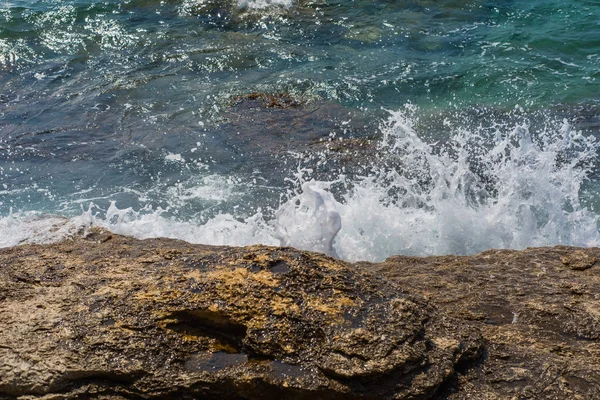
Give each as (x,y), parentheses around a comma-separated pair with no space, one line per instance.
(206,323)
(102,389)
(466,361)
(227,389)
(383,384)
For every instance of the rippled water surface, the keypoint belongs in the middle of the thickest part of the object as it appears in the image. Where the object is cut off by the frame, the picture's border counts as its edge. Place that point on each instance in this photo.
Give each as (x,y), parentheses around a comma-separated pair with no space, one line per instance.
(358,128)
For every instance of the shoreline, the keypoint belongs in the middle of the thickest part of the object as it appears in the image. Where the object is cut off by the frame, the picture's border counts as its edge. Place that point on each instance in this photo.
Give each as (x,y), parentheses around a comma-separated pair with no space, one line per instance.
(108,316)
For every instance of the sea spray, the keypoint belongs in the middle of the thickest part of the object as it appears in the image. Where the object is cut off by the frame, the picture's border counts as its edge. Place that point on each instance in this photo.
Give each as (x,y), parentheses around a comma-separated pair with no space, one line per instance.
(506,185)
(264,4)
(35,228)
(480,190)
(309,220)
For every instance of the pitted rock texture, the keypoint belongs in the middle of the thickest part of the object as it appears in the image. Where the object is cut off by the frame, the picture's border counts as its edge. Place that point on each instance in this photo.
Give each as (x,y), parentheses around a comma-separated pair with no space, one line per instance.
(538,310)
(112,317)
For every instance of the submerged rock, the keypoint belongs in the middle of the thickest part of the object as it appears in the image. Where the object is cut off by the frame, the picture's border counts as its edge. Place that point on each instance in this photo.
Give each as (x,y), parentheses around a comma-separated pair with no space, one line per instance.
(272,129)
(279,122)
(115,317)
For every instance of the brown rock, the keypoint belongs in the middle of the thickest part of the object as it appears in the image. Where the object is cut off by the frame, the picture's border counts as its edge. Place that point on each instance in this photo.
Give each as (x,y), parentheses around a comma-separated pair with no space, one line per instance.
(538,311)
(579,260)
(115,317)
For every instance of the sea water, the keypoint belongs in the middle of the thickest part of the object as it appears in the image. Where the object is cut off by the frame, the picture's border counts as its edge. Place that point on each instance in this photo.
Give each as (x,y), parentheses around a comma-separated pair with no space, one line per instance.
(422,127)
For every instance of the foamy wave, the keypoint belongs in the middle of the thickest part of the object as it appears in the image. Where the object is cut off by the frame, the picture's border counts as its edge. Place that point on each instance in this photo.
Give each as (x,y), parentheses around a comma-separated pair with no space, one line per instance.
(33,228)
(263,4)
(514,192)
(504,188)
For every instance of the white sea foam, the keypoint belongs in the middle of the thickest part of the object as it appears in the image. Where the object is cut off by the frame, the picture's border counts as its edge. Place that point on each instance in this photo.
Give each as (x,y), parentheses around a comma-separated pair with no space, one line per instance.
(504,188)
(33,228)
(309,220)
(513,193)
(264,4)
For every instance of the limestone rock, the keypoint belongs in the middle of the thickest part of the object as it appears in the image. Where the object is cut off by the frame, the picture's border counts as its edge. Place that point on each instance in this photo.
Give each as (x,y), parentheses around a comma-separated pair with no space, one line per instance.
(538,310)
(114,317)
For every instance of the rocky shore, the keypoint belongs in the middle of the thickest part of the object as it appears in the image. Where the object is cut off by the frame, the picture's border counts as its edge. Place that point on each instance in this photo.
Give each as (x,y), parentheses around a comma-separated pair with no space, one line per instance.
(110,317)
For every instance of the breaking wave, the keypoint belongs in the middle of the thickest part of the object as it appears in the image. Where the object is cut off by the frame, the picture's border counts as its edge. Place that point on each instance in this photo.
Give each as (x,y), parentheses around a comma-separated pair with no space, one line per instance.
(500,186)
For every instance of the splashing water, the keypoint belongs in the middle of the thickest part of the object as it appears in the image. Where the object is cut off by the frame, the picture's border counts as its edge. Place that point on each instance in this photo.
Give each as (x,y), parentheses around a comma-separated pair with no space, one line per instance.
(264,4)
(498,187)
(309,220)
(471,196)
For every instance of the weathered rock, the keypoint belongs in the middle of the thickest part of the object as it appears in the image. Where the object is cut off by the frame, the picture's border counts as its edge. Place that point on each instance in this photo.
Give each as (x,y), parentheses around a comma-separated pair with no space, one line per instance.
(114,317)
(538,310)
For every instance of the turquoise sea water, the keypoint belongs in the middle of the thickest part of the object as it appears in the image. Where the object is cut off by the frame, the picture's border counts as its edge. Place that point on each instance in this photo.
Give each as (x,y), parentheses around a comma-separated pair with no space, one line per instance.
(475,122)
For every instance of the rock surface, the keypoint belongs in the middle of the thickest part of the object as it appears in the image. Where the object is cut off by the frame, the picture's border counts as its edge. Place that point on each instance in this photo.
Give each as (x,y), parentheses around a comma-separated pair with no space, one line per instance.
(112,317)
(538,310)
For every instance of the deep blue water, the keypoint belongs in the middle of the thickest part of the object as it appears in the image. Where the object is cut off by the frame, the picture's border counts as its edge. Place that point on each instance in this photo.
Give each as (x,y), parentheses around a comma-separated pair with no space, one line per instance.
(469,124)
